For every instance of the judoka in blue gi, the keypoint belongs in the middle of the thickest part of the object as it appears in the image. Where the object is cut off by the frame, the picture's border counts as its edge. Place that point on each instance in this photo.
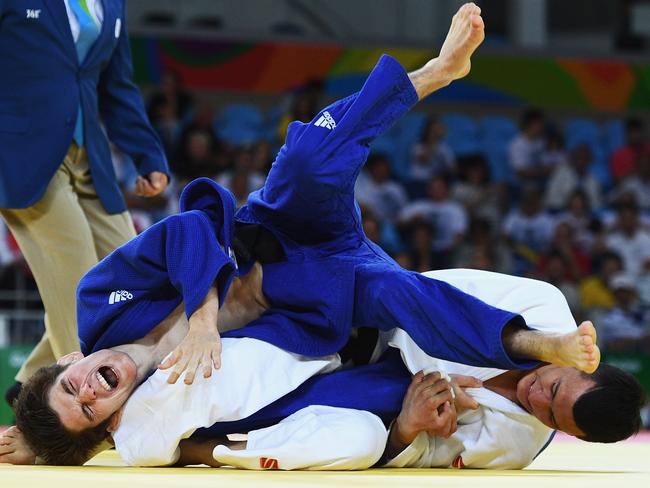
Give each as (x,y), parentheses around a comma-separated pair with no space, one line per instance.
(310,277)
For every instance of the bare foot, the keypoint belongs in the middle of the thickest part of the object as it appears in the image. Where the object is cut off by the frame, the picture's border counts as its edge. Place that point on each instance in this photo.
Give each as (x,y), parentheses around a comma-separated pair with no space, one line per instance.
(14,449)
(577,349)
(465,35)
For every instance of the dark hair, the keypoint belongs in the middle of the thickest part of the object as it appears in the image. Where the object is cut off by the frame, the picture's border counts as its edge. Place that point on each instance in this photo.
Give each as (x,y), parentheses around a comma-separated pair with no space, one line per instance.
(634,123)
(426,127)
(530,116)
(377,158)
(609,256)
(610,411)
(43,429)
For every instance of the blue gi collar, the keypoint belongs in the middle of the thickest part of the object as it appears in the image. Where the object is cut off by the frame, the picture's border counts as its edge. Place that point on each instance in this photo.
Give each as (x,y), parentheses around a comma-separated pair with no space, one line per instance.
(218,203)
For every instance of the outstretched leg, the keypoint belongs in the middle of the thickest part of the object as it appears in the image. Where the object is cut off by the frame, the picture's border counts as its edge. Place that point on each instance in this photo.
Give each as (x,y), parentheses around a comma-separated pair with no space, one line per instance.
(576,349)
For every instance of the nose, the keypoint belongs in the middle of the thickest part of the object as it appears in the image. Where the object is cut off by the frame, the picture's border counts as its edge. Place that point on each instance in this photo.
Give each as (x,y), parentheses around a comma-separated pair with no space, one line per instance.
(539,400)
(86,393)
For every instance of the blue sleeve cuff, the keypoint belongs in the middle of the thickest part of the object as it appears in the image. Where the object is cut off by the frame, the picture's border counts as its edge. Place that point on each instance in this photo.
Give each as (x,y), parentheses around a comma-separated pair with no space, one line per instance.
(403,83)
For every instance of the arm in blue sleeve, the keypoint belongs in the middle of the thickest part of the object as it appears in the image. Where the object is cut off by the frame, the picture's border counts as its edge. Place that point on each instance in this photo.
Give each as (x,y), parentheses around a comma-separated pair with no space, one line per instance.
(186,247)
(122,111)
(177,258)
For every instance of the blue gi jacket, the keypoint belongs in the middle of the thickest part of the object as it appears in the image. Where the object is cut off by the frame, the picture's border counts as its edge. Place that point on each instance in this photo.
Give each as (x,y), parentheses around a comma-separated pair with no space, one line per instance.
(308,203)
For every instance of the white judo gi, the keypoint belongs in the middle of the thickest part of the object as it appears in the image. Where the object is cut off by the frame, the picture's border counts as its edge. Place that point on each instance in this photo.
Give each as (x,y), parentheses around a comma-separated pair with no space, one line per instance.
(499,435)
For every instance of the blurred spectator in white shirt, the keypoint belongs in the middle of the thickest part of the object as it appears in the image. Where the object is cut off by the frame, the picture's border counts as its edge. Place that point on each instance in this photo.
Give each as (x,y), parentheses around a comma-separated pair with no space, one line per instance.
(625,328)
(375,189)
(243,168)
(475,192)
(526,149)
(529,225)
(569,177)
(448,218)
(554,152)
(629,240)
(431,155)
(483,250)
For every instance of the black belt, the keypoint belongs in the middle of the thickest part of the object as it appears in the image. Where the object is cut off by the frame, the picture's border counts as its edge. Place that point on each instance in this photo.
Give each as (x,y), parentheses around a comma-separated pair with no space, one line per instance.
(254,241)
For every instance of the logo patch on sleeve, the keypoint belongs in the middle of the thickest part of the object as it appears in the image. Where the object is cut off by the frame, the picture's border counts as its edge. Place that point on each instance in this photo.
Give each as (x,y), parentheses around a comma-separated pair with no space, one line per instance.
(268,463)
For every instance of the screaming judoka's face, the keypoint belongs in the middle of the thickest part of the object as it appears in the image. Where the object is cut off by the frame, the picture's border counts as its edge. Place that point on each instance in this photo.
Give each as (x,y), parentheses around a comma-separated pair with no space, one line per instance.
(92,388)
(549,394)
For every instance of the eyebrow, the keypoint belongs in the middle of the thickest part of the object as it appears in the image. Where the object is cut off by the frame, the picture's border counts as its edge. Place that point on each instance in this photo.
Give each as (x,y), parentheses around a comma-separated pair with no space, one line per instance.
(67,390)
(553,395)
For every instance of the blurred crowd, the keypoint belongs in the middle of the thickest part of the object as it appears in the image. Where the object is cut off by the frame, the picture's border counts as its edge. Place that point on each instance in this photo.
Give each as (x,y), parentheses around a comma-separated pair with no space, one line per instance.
(523,202)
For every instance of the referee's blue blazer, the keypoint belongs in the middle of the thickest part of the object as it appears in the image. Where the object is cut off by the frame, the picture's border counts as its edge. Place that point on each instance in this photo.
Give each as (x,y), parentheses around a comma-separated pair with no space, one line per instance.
(41,85)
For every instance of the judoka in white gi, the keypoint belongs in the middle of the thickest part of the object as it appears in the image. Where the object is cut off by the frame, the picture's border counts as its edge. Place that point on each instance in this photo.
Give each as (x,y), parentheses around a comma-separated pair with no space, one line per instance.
(502,433)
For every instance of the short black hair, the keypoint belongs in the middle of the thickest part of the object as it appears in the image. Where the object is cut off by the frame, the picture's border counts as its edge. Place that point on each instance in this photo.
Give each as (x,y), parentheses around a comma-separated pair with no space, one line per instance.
(530,116)
(611,410)
(42,428)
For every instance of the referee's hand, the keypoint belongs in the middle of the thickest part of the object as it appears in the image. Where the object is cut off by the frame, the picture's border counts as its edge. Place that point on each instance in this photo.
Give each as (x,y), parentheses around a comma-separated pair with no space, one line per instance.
(151,185)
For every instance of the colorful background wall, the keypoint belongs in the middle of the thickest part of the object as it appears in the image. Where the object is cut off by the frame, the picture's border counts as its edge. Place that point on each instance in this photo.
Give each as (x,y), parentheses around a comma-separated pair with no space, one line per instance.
(272,68)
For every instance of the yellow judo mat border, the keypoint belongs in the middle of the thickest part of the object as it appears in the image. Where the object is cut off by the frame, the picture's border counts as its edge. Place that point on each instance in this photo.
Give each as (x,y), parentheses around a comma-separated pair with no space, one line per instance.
(565,463)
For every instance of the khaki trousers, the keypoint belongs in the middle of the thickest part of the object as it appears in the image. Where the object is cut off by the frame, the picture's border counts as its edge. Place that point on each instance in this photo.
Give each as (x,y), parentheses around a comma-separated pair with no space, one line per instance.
(62,236)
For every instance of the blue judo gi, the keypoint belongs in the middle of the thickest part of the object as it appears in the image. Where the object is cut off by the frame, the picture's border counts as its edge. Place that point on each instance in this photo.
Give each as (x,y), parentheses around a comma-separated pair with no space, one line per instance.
(333,278)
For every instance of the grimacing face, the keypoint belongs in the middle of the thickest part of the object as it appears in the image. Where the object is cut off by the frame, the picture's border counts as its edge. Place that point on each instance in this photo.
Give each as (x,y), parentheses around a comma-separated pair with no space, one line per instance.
(550,392)
(92,388)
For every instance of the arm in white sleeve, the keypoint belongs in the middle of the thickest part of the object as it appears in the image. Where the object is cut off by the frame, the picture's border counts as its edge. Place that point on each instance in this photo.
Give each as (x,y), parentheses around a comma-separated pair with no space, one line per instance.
(253,374)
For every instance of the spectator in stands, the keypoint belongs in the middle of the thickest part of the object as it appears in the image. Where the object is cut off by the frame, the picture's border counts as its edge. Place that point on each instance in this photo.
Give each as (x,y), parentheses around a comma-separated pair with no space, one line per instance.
(431,156)
(625,328)
(375,189)
(526,149)
(304,106)
(474,190)
(528,229)
(197,155)
(571,176)
(625,160)
(371,226)
(595,292)
(262,158)
(629,239)
(239,184)
(420,249)
(579,217)
(447,218)
(243,162)
(167,107)
(482,250)
(638,182)
(576,262)
(643,286)
(558,269)
(554,153)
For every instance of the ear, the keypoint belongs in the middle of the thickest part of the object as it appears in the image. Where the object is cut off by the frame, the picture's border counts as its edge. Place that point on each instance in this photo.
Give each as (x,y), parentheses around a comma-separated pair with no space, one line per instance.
(73,357)
(114,423)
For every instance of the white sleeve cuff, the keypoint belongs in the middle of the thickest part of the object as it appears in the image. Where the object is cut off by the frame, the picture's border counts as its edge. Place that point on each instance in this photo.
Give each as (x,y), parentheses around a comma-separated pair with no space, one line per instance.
(410,456)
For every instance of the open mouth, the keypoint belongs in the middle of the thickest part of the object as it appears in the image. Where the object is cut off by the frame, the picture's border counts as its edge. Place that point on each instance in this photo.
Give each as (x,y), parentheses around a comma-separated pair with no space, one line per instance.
(107,378)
